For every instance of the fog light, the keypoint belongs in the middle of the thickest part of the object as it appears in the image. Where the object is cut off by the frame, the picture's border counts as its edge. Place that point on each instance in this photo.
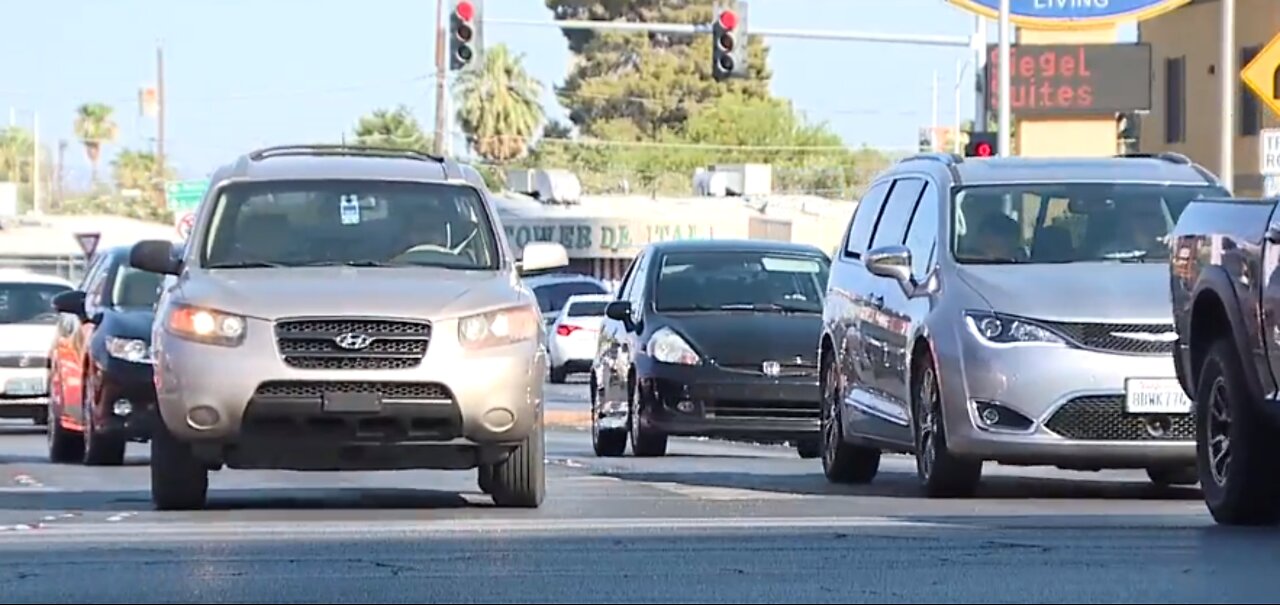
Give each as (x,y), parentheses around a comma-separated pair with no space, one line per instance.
(122,407)
(991,416)
(499,420)
(685,407)
(203,417)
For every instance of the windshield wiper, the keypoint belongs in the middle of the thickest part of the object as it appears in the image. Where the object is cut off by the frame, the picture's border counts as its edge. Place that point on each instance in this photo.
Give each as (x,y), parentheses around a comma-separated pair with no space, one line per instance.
(248,264)
(784,307)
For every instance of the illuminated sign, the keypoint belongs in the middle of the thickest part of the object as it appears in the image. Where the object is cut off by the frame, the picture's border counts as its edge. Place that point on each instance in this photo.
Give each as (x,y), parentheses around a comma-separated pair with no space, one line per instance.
(1065,14)
(1073,79)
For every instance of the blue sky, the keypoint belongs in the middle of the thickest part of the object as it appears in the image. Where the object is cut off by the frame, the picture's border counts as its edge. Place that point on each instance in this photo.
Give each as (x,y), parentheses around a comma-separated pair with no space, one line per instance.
(242,73)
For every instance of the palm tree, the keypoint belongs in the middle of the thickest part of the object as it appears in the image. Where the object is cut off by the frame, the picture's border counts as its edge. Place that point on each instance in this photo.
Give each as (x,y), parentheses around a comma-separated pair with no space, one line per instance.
(137,170)
(16,147)
(95,126)
(392,128)
(498,105)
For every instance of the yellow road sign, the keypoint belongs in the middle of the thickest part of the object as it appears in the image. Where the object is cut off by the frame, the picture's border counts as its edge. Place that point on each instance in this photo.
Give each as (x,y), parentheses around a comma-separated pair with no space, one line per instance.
(1262,75)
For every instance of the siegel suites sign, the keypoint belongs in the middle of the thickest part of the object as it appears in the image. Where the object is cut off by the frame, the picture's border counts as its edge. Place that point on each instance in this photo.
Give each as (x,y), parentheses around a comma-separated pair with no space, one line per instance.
(603,238)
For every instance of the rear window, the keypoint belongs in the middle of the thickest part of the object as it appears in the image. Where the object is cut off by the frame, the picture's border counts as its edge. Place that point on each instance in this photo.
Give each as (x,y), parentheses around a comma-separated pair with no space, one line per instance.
(552,297)
(587,309)
(28,303)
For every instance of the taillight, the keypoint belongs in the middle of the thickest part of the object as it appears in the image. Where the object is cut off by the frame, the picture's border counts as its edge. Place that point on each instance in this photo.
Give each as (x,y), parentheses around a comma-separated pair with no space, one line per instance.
(566,330)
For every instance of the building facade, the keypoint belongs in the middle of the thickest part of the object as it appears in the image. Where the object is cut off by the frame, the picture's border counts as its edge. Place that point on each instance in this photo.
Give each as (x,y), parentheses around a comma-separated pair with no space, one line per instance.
(1185,99)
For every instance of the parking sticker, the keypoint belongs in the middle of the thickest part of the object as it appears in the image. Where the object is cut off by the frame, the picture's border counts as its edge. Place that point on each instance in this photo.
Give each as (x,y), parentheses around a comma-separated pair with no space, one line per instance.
(349,207)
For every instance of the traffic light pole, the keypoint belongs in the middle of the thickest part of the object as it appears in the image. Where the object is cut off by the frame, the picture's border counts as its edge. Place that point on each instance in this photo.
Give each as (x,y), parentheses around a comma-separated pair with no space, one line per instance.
(695,29)
(442,115)
(1005,124)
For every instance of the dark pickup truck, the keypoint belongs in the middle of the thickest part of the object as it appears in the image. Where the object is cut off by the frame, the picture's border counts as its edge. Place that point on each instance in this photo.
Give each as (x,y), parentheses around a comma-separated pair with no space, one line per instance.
(1226,307)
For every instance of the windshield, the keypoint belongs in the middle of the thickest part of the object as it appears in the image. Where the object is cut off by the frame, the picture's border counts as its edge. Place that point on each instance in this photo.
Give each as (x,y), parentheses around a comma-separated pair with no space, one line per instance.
(1068,222)
(741,280)
(587,309)
(26,303)
(552,297)
(135,288)
(359,223)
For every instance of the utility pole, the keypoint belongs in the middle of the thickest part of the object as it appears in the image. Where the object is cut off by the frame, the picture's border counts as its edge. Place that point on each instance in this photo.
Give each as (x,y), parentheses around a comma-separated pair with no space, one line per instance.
(441,72)
(60,174)
(35,165)
(1004,140)
(980,119)
(160,103)
(1227,78)
(934,143)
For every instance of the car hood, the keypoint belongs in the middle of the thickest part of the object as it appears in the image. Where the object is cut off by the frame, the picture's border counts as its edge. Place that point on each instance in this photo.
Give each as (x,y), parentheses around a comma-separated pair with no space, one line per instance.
(1099,292)
(130,323)
(418,292)
(749,338)
(27,338)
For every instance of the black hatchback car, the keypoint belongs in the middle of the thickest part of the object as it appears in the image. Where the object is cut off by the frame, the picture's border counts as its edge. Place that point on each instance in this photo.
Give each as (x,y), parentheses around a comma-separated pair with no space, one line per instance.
(712,338)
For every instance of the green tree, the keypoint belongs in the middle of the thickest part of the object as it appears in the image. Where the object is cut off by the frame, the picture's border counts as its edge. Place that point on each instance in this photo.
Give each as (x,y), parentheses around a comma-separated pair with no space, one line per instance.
(95,126)
(392,128)
(655,81)
(16,148)
(498,105)
(136,170)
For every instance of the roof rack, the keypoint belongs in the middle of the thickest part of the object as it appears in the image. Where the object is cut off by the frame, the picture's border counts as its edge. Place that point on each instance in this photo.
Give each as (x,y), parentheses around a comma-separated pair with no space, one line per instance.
(1168,156)
(949,159)
(342,150)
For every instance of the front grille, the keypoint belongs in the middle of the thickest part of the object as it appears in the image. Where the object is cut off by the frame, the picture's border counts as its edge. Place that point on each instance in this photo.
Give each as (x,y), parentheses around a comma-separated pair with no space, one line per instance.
(786,370)
(1102,418)
(1110,337)
(799,410)
(23,360)
(312,344)
(389,391)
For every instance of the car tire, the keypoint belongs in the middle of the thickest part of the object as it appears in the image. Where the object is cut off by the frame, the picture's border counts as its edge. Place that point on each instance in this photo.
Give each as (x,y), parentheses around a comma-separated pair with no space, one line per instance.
(179,480)
(607,443)
(646,441)
(1242,489)
(484,478)
(941,473)
(99,449)
(65,445)
(1168,476)
(520,481)
(842,462)
(809,448)
(558,375)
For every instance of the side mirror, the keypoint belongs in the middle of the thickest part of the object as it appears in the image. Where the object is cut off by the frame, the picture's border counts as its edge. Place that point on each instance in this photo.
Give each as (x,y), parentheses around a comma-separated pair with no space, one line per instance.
(540,256)
(618,310)
(71,301)
(893,262)
(155,256)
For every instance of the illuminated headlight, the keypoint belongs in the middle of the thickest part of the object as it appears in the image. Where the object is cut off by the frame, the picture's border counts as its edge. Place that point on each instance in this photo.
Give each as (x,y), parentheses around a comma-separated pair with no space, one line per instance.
(668,347)
(1002,329)
(129,349)
(206,325)
(501,327)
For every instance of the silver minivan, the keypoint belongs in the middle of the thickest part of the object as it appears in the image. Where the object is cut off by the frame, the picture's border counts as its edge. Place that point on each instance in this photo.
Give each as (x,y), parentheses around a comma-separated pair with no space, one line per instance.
(1012,310)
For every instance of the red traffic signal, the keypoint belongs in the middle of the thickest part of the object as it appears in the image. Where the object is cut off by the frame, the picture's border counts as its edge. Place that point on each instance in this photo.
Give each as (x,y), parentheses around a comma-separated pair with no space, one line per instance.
(981,145)
(728,19)
(983,150)
(465,10)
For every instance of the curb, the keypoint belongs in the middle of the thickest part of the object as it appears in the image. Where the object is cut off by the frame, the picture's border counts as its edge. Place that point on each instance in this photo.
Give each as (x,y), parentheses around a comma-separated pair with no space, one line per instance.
(567,418)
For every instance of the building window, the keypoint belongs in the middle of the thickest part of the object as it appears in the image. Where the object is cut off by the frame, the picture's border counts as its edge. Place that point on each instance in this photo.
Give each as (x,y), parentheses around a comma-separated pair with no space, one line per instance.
(1175,100)
(1250,108)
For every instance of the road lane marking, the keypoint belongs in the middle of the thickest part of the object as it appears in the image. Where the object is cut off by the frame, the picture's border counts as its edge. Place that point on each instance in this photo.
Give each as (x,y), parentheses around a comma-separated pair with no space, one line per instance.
(26,480)
(716,493)
(247,531)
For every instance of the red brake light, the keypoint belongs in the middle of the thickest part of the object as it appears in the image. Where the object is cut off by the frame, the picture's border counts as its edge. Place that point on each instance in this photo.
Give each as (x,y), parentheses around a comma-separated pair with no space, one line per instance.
(728,20)
(466,10)
(565,330)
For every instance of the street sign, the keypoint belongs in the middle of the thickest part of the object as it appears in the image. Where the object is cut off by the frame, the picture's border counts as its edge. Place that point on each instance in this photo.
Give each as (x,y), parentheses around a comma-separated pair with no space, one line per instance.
(185,223)
(1269,152)
(1262,75)
(88,242)
(182,196)
(1071,14)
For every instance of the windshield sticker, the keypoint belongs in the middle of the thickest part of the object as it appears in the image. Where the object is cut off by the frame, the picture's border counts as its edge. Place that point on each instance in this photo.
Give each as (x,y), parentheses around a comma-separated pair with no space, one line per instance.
(349,206)
(790,265)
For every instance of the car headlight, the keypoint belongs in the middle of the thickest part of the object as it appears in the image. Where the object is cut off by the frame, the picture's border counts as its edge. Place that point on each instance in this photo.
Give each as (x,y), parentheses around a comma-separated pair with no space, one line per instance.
(1002,329)
(501,327)
(206,325)
(668,347)
(129,349)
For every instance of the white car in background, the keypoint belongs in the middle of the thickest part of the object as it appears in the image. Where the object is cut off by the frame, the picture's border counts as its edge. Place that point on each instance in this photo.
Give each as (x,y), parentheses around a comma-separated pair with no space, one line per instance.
(28,328)
(573,337)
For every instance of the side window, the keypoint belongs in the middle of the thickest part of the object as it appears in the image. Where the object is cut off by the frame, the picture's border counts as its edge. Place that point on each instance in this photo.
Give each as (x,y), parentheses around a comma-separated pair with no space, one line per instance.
(624,288)
(897,212)
(923,232)
(638,282)
(96,290)
(864,219)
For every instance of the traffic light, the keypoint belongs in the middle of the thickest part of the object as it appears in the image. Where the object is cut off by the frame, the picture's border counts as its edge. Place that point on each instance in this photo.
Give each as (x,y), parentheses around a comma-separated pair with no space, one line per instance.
(981,145)
(729,42)
(465,29)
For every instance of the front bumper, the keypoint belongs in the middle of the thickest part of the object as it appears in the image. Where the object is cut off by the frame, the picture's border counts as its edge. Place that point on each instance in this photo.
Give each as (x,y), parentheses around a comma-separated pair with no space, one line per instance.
(707,400)
(23,391)
(491,396)
(1060,406)
(126,400)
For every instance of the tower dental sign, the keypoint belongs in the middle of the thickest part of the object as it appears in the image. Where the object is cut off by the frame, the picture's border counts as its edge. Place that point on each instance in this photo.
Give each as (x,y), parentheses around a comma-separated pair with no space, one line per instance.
(1069,14)
(1074,79)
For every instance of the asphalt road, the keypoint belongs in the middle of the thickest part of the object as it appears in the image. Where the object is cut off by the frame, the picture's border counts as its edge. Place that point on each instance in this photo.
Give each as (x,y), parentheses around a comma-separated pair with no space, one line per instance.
(713,522)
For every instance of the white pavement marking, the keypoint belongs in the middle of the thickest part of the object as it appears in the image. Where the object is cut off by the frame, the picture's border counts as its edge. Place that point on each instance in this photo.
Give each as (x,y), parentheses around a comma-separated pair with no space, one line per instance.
(708,492)
(26,480)
(241,531)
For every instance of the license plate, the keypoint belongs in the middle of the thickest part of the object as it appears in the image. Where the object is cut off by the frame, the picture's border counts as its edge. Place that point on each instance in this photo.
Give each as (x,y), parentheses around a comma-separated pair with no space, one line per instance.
(352,402)
(24,387)
(1155,396)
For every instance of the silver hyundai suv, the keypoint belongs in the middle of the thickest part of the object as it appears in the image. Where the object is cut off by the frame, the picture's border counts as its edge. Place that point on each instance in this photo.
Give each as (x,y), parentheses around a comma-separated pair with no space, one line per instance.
(342,308)
(1013,310)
